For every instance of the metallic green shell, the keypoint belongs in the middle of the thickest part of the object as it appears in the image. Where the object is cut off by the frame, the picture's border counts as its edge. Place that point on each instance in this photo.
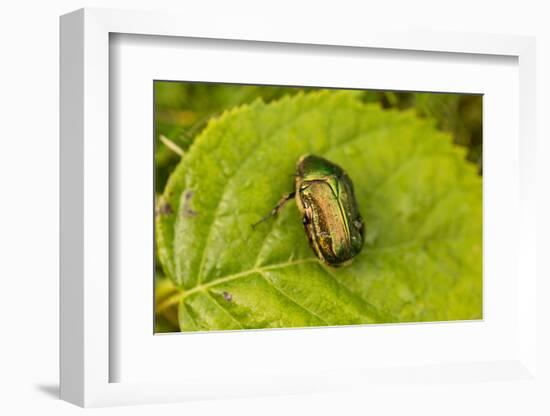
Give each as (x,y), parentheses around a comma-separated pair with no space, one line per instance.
(326,200)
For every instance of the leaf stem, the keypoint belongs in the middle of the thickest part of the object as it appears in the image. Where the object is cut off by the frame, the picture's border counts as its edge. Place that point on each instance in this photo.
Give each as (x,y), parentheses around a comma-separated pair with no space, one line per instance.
(168,302)
(171,145)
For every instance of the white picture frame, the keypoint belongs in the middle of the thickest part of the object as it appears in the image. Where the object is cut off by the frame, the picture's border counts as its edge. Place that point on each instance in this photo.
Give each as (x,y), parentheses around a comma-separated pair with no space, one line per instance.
(87,304)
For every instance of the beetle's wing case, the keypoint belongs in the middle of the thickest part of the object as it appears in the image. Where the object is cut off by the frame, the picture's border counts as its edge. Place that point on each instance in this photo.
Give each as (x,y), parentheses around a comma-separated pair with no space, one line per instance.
(326,200)
(326,231)
(355,222)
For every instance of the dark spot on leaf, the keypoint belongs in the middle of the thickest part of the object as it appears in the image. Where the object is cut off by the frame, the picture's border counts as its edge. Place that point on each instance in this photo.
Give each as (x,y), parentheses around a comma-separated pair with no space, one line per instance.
(165,209)
(227,296)
(186,210)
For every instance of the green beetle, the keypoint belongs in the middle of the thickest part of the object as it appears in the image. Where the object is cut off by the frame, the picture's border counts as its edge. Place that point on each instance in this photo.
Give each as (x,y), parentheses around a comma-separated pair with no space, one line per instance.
(326,200)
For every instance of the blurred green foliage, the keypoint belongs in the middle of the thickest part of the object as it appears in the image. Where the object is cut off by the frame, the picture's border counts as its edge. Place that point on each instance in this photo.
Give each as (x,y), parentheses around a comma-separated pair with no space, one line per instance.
(458,114)
(166,317)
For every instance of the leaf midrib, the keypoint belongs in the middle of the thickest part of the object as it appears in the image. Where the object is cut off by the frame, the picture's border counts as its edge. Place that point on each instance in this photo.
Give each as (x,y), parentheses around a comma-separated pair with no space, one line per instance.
(227,278)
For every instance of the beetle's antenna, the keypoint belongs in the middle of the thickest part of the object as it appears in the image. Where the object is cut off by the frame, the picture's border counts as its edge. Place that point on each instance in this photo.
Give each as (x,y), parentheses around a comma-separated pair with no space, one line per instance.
(278,207)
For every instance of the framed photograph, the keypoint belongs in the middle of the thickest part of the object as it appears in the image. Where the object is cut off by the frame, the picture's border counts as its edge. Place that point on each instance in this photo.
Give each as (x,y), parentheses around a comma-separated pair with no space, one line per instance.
(320,201)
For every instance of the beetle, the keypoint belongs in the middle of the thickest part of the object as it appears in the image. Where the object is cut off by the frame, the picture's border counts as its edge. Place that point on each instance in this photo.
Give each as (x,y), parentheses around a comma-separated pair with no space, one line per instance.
(326,200)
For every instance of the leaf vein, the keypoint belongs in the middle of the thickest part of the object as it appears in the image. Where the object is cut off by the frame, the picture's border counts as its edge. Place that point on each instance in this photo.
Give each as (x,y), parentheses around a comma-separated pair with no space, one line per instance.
(370,307)
(215,301)
(286,295)
(234,276)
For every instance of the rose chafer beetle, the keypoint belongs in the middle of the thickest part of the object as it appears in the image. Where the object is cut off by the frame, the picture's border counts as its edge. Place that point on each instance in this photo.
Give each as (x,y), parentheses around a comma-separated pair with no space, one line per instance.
(325,198)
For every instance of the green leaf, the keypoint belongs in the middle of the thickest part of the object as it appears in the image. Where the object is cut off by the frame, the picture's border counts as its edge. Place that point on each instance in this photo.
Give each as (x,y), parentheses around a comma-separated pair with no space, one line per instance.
(420,199)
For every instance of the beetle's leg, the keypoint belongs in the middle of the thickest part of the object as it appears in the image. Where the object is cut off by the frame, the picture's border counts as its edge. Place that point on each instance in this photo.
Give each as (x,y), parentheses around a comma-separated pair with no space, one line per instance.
(285,198)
